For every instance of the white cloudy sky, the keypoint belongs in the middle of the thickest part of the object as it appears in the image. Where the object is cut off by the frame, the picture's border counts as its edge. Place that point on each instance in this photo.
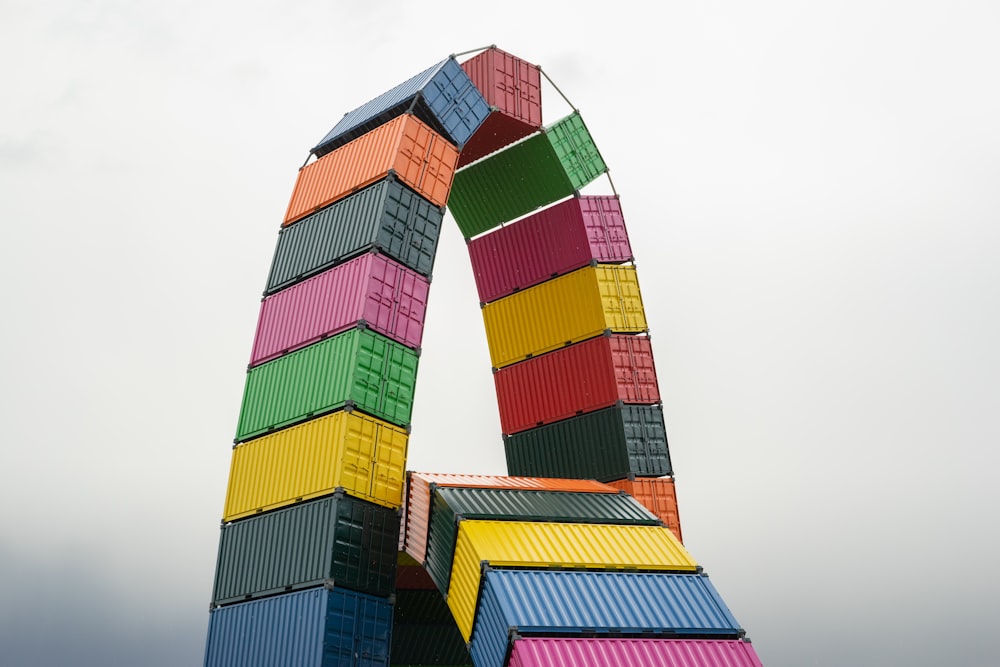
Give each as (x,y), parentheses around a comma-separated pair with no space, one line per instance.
(812,193)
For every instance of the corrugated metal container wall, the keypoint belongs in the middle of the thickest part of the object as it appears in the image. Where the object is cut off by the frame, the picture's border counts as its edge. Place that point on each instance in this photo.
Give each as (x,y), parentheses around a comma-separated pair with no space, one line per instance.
(340,538)
(584,377)
(514,87)
(423,631)
(386,216)
(534,602)
(556,240)
(356,367)
(657,495)
(607,652)
(371,289)
(310,628)
(442,96)
(606,445)
(350,450)
(566,545)
(416,520)
(535,172)
(452,505)
(580,305)
(420,157)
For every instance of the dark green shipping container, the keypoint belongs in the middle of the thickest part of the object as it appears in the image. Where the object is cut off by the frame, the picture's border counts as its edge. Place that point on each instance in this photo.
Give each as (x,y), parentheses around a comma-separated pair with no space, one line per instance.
(358,367)
(451,505)
(338,538)
(424,632)
(530,174)
(386,216)
(605,445)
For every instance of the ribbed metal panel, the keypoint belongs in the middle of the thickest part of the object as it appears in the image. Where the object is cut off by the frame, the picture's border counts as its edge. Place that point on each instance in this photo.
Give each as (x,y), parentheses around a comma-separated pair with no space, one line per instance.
(513,87)
(347,449)
(556,240)
(607,652)
(442,96)
(310,628)
(564,602)
(452,505)
(386,216)
(356,367)
(576,379)
(658,495)
(372,289)
(605,445)
(528,175)
(565,310)
(420,157)
(337,538)
(428,644)
(418,498)
(554,545)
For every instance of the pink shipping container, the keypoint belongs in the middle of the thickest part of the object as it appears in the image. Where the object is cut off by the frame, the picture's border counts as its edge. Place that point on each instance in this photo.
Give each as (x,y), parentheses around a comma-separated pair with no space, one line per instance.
(580,378)
(417,503)
(385,295)
(608,652)
(554,241)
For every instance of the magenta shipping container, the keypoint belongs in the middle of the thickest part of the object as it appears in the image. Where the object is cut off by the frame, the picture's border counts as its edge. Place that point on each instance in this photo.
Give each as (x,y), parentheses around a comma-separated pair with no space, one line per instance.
(545,652)
(576,379)
(554,241)
(387,296)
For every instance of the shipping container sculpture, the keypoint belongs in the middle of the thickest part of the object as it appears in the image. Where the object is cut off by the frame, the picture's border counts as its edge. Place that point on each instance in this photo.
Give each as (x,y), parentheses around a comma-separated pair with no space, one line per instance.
(330,552)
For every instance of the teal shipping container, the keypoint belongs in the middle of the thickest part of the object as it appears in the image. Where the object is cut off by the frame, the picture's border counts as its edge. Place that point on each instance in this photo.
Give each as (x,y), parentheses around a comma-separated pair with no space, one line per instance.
(451,505)
(358,367)
(386,216)
(338,538)
(530,174)
(605,445)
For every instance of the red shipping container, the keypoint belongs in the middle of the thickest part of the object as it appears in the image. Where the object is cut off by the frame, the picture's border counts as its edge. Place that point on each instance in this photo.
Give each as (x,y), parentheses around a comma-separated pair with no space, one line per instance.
(576,379)
(388,297)
(513,87)
(418,498)
(554,241)
(420,157)
(658,495)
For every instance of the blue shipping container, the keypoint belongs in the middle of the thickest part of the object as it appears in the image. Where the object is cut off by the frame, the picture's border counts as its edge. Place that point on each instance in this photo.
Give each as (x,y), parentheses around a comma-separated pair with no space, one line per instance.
(566,602)
(442,96)
(318,627)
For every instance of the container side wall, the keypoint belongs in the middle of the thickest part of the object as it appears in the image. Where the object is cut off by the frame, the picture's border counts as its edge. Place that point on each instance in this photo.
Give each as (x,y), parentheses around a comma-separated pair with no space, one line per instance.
(349,450)
(614,652)
(553,506)
(505,482)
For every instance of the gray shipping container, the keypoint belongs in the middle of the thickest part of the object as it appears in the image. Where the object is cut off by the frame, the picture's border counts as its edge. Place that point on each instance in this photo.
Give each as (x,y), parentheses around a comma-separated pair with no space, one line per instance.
(451,505)
(338,537)
(605,445)
(386,216)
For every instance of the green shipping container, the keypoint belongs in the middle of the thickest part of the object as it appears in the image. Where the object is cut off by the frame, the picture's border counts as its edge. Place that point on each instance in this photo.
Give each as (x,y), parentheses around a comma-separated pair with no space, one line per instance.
(423,631)
(605,445)
(454,504)
(526,176)
(357,367)
(337,538)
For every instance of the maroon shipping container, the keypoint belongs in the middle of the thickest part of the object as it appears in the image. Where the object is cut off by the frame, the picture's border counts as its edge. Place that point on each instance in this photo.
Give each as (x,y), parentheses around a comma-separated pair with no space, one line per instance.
(388,297)
(584,377)
(513,87)
(554,241)
(616,652)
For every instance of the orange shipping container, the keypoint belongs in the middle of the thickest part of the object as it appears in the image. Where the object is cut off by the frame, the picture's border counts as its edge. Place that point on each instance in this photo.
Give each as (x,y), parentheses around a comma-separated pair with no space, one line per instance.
(658,495)
(422,159)
(417,502)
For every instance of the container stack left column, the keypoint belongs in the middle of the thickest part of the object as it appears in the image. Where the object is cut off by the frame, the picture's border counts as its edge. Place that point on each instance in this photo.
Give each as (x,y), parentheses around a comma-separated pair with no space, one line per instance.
(307,555)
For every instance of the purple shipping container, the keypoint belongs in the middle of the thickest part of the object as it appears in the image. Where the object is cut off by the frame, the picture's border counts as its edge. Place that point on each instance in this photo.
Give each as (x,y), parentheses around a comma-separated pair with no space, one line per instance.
(554,241)
(387,296)
(543,652)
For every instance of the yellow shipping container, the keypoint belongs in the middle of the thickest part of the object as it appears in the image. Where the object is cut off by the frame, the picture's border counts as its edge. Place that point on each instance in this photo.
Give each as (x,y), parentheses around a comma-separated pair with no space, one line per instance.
(364,455)
(567,309)
(560,545)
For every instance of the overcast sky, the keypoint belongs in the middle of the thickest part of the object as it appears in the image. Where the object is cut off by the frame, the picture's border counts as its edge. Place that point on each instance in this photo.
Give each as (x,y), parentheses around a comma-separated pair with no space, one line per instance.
(811,190)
